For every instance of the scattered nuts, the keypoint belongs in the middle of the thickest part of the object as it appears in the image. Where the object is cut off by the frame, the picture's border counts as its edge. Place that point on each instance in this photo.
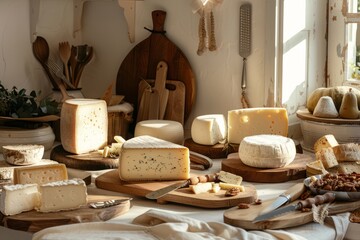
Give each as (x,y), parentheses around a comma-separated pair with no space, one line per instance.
(232,192)
(258,201)
(243,205)
(306,209)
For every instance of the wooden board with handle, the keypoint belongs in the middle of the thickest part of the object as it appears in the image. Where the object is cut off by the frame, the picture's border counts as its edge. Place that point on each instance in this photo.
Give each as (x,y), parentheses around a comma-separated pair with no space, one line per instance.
(33,221)
(111,181)
(140,63)
(244,217)
(293,171)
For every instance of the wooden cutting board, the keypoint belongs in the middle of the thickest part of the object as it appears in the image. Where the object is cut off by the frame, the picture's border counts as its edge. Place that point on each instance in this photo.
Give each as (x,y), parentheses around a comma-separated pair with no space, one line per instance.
(111,181)
(86,161)
(141,62)
(215,151)
(243,217)
(293,171)
(34,221)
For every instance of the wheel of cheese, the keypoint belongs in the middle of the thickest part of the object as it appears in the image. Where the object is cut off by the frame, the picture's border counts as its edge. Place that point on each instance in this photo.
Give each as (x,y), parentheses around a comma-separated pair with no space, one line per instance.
(267,151)
(168,130)
(23,154)
(209,129)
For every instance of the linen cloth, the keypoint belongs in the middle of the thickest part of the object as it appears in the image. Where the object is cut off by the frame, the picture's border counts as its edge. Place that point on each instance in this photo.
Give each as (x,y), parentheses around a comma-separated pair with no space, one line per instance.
(160,225)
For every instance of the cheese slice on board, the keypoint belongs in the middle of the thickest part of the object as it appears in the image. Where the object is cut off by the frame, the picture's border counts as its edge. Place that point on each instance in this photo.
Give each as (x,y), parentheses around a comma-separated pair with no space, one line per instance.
(267,151)
(40,174)
(150,158)
(209,129)
(18,198)
(84,125)
(62,195)
(253,121)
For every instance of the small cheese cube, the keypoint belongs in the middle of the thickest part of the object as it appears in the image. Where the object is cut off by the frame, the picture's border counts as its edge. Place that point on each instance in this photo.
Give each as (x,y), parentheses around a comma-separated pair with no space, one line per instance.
(324,142)
(226,186)
(253,121)
(18,198)
(201,187)
(327,157)
(40,174)
(209,129)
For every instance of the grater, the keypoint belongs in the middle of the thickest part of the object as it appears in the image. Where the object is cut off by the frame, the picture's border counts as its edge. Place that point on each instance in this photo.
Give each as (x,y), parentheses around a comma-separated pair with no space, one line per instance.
(245,39)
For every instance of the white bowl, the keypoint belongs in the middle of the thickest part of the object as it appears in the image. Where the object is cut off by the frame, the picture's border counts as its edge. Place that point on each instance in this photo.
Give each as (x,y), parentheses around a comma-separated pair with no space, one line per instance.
(312,131)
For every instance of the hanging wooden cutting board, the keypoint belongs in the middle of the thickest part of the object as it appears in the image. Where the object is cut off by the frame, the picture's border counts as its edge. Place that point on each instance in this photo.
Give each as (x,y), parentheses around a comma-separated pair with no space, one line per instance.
(111,181)
(244,217)
(33,221)
(295,170)
(141,62)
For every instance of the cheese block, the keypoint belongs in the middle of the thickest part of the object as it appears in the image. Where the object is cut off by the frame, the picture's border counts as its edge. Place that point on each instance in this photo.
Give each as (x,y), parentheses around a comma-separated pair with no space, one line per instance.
(18,198)
(201,187)
(62,195)
(325,108)
(83,125)
(347,152)
(254,121)
(327,157)
(209,129)
(325,141)
(168,130)
(40,174)
(267,151)
(349,167)
(149,158)
(315,168)
(229,178)
(23,154)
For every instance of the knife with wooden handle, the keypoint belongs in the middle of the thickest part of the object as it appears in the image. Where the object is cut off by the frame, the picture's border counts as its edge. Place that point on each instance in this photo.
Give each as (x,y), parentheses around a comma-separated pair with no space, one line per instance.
(307,203)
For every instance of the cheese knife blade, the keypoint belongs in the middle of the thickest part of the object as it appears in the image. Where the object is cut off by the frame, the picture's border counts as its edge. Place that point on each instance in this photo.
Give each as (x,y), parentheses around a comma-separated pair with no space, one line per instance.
(163,191)
(307,203)
(288,196)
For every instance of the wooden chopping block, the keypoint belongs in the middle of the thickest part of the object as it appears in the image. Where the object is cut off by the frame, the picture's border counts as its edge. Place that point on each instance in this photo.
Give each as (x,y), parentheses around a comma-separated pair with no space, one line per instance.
(175,109)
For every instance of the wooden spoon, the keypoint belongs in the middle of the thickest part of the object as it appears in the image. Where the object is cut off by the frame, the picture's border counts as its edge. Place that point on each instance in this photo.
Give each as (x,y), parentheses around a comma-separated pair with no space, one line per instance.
(41,52)
(65,53)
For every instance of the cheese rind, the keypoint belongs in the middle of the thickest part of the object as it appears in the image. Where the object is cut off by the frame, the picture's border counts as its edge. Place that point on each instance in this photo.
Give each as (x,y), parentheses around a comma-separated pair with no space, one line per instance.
(167,130)
(84,125)
(267,151)
(150,158)
(62,195)
(209,129)
(40,174)
(18,198)
(24,154)
(254,121)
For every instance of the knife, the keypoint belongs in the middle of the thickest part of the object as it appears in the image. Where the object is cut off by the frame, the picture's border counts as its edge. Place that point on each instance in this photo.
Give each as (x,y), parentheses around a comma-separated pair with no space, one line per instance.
(163,191)
(288,196)
(307,203)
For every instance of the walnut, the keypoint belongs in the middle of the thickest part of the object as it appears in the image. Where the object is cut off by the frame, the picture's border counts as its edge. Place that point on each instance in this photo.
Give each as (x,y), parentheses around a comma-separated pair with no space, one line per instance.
(243,205)
(232,192)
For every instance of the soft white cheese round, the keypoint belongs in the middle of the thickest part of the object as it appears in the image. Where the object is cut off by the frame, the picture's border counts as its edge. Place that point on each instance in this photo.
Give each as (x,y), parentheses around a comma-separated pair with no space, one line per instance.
(168,130)
(23,154)
(209,129)
(267,151)
(325,108)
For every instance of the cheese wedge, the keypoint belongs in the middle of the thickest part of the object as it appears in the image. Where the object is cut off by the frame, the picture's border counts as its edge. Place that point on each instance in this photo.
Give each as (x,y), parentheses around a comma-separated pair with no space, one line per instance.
(327,157)
(18,198)
(150,158)
(229,178)
(84,125)
(347,152)
(209,129)
(325,141)
(254,121)
(62,195)
(40,174)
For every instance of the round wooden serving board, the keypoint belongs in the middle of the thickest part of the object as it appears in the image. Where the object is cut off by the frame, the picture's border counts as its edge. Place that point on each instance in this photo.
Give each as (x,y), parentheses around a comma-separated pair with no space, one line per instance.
(86,161)
(111,181)
(293,171)
(214,151)
(34,221)
(304,114)
(244,217)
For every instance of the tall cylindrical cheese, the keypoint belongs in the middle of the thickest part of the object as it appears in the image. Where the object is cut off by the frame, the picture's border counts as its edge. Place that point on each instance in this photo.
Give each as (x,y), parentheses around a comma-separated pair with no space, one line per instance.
(83,125)
(209,129)
(267,151)
(167,130)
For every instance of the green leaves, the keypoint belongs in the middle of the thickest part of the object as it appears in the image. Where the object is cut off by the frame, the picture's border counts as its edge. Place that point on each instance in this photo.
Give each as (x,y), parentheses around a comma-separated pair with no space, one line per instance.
(18,104)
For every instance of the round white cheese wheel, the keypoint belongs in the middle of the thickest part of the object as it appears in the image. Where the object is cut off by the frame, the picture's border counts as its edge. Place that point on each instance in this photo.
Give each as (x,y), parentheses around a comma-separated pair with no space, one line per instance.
(267,151)
(168,130)
(209,129)
(23,154)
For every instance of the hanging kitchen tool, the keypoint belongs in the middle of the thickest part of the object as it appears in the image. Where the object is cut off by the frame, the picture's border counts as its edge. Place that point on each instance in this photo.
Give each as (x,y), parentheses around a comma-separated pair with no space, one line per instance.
(141,62)
(245,46)
(154,100)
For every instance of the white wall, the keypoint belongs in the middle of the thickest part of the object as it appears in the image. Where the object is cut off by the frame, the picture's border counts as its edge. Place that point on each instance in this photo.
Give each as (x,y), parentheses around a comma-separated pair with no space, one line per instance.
(218,74)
